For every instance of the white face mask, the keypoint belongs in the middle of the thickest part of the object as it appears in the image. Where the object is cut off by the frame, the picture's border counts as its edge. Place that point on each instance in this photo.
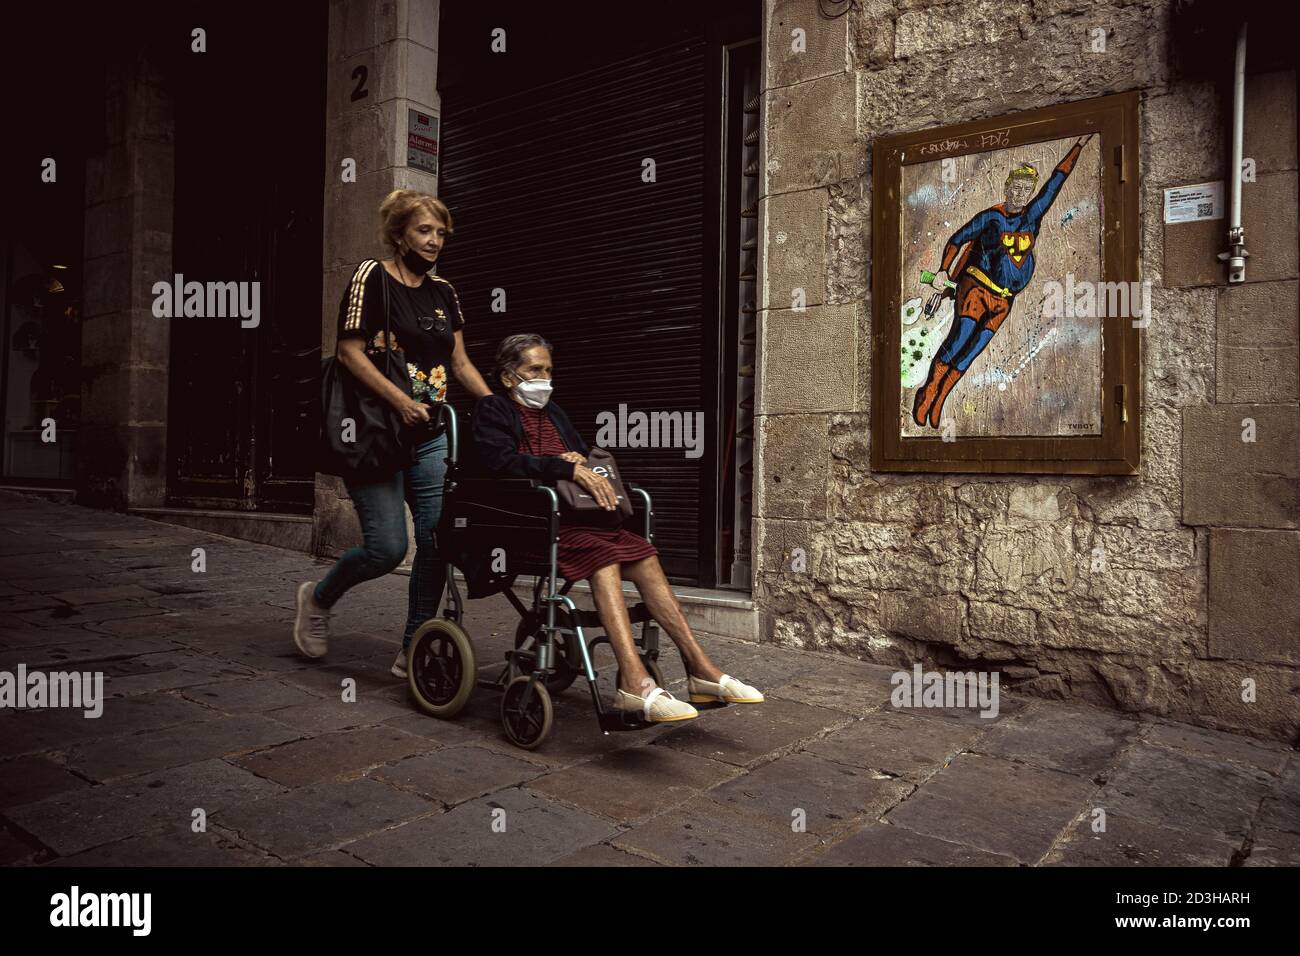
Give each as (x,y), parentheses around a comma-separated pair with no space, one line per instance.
(534,393)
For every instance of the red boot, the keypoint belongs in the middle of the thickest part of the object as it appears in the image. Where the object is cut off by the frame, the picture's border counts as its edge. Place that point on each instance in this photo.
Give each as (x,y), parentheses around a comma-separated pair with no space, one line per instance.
(925,396)
(949,380)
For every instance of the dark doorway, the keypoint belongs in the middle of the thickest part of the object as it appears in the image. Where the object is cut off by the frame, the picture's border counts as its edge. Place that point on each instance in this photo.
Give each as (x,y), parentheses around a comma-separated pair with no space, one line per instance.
(250,138)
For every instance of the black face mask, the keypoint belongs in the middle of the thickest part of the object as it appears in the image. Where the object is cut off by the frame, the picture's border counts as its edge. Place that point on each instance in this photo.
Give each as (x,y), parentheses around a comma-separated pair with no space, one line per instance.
(415,262)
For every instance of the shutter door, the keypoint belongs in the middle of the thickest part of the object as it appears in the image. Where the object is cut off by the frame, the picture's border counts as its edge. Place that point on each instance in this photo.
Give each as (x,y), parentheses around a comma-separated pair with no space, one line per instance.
(545,187)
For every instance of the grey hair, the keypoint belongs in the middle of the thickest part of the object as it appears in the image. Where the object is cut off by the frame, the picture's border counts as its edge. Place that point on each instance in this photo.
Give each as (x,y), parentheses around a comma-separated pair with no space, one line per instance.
(511,352)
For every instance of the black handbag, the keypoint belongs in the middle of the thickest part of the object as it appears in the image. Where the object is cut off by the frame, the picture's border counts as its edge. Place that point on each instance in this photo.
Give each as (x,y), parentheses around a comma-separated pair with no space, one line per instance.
(362,436)
(578,500)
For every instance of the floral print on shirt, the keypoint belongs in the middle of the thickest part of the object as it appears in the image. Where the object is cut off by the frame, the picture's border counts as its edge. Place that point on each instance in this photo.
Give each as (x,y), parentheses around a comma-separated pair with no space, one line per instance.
(431,385)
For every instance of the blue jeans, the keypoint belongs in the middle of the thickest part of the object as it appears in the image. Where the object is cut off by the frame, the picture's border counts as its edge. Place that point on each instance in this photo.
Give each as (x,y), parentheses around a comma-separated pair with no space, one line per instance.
(383,527)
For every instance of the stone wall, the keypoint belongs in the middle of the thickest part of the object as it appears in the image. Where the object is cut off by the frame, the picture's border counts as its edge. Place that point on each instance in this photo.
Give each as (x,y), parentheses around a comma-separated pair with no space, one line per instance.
(1200,587)
(125,351)
(396,41)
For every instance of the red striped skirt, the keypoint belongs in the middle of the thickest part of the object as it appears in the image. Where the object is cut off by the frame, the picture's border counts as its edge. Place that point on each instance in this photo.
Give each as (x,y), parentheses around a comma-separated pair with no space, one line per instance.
(583,549)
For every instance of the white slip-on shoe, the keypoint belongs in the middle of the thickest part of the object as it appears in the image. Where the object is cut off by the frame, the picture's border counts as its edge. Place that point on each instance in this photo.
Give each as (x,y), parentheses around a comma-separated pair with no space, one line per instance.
(658,706)
(726,689)
(399,666)
(311,628)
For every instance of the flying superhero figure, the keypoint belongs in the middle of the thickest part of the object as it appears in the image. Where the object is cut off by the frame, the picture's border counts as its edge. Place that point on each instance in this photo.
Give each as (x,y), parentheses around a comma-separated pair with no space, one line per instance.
(997,264)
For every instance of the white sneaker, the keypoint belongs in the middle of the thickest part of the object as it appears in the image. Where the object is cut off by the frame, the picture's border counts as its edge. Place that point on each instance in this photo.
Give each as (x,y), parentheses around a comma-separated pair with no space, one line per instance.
(658,706)
(311,628)
(399,666)
(726,689)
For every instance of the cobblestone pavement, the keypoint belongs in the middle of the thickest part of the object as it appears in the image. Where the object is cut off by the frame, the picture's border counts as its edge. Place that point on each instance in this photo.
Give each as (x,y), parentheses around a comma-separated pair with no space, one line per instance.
(210,708)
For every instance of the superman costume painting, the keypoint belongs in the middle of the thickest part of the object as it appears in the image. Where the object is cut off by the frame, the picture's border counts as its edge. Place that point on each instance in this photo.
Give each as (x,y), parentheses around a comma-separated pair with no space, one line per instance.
(985,264)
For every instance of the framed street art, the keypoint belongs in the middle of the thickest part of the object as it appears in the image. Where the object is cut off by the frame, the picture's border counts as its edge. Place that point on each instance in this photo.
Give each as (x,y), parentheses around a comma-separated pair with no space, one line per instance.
(1006,300)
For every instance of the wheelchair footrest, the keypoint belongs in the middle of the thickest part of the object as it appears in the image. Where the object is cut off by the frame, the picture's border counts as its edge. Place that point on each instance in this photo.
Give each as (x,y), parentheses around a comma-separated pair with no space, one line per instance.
(612,720)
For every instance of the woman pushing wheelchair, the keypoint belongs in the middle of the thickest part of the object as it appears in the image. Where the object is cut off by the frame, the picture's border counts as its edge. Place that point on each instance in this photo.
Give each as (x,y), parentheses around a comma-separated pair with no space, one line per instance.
(522,434)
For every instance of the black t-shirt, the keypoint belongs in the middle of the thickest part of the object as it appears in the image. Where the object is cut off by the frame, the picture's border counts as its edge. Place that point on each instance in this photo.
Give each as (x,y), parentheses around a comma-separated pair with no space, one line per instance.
(425,352)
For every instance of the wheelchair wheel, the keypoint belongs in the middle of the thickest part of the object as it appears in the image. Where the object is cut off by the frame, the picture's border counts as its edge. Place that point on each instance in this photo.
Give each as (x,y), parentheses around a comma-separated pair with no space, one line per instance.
(651,666)
(527,726)
(564,672)
(441,669)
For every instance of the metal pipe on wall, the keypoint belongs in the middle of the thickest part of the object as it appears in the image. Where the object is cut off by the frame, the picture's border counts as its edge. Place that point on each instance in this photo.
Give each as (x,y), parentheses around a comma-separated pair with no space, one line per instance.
(1237,254)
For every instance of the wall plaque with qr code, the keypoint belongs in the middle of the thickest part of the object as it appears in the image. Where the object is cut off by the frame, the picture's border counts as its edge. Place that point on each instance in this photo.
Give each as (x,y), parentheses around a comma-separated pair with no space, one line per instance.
(1194,203)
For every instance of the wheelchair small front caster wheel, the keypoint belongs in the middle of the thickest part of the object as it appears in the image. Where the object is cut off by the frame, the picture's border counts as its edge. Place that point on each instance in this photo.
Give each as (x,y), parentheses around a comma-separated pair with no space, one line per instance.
(526,724)
(441,669)
(564,672)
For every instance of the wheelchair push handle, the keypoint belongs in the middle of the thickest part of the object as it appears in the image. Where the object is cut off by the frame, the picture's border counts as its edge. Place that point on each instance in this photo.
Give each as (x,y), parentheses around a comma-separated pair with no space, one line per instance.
(440,413)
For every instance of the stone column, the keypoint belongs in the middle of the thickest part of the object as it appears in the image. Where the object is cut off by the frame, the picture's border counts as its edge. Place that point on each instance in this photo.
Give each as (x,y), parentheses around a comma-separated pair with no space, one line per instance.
(383,61)
(122,452)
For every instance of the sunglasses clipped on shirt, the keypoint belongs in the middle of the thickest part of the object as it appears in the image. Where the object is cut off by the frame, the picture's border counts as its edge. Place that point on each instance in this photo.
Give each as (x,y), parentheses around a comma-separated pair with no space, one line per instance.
(428,322)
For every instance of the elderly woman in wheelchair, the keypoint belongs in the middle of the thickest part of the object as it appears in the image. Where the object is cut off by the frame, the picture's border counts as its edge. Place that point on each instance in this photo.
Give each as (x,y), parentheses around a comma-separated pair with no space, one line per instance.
(521,434)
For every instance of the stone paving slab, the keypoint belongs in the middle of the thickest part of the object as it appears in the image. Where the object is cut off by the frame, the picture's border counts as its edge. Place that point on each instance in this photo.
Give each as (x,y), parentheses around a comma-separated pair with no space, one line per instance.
(456,775)
(24,732)
(1215,744)
(322,816)
(903,744)
(879,844)
(72,822)
(702,833)
(167,670)
(827,797)
(852,687)
(602,855)
(536,831)
(28,779)
(1078,740)
(996,805)
(326,714)
(1191,793)
(1129,841)
(153,750)
(636,783)
(249,696)
(743,734)
(171,846)
(1274,848)
(323,758)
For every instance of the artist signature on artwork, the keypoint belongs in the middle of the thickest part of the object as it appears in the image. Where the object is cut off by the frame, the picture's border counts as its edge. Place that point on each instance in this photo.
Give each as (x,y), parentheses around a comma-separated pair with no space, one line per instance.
(990,140)
(1079,426)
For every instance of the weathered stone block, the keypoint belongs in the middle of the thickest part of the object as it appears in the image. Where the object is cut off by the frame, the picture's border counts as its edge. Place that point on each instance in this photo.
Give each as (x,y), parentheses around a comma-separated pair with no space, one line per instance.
(1268,213)
(1258,357)
(794,458)
(809,360)
(108,285)
(871,44)
(939,30)
(1182,135)
(1269,131)
(1233,482)
(825,44)
(938,619)
(917,501)
(794,243)
(810,136)
(1255,595)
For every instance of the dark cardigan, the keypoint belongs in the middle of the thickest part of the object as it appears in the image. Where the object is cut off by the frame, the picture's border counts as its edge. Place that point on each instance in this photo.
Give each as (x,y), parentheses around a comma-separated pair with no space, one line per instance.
(498,431)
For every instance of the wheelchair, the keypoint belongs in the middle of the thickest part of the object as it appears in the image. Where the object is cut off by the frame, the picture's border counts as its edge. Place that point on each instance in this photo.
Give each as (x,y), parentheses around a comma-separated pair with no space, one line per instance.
(519,518)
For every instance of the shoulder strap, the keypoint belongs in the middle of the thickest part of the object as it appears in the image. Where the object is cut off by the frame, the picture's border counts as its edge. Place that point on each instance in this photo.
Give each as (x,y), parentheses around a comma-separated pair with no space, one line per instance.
(388,335)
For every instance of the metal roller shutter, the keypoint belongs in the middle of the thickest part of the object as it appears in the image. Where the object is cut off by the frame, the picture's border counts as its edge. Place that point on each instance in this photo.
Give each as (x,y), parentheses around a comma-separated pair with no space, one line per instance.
(609,268)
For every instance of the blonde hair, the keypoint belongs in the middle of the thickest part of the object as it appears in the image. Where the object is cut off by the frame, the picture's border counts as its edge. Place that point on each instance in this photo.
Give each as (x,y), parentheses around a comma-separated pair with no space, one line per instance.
(399,206)
(1025,171)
